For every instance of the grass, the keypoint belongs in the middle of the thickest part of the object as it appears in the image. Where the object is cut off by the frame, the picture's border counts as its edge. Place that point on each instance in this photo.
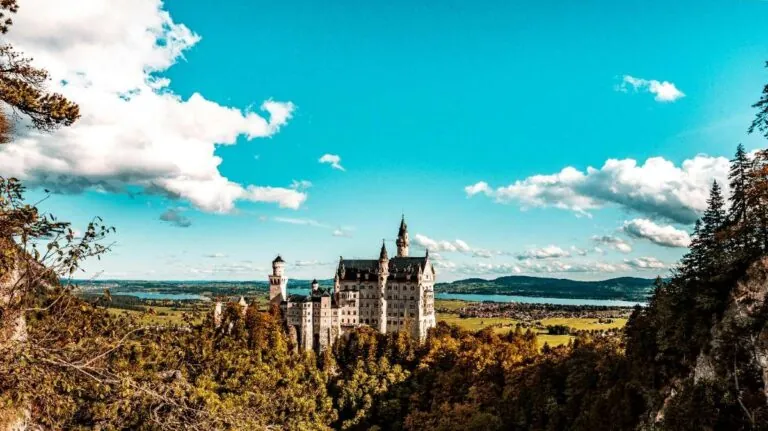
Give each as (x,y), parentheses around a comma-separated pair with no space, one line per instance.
(450,304)
(161,315)
(504,325)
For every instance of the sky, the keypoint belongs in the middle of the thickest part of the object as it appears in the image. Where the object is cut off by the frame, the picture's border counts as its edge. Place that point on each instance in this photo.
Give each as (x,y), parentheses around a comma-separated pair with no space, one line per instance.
(546,138)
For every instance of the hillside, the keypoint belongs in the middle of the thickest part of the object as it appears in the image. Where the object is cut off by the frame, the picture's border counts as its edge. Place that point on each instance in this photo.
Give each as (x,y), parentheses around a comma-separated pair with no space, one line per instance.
(623,288)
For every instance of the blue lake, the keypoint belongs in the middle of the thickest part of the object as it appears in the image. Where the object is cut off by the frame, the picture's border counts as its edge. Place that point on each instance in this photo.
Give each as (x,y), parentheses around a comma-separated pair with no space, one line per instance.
(538,300)
(163,296)
(460,296)
(522,299)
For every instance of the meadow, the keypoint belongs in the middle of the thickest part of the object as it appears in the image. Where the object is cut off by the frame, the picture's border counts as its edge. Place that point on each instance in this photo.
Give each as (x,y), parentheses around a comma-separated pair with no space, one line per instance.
(161,315)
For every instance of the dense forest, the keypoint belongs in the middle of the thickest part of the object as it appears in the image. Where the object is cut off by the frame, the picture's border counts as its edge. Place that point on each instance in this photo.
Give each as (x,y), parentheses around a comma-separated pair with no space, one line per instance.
(695,358)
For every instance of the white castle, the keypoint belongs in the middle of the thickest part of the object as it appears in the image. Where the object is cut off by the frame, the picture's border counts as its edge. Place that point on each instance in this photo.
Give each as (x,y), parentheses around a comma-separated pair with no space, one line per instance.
(390,295)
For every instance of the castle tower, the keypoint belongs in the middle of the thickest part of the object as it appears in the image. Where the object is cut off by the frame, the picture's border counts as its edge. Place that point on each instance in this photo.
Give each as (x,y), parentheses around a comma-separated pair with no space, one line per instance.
(278,283)
(383,275)
(402,239)
(315,286)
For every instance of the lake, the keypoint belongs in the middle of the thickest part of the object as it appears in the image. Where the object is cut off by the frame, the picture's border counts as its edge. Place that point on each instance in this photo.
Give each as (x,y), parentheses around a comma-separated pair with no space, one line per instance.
(472,297)
(164,296)
(538,300)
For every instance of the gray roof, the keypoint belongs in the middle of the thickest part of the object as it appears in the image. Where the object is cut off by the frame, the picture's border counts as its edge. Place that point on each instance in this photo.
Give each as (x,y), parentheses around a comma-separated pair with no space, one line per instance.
(399,267)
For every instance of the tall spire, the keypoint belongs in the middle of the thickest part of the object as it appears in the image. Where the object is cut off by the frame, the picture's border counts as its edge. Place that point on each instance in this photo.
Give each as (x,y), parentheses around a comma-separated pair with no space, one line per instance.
(402,239)
(383,254)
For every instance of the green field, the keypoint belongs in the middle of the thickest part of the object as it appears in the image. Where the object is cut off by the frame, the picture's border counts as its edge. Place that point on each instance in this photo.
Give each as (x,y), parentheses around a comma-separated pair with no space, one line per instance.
(503,325)
(170,316)
(159,316)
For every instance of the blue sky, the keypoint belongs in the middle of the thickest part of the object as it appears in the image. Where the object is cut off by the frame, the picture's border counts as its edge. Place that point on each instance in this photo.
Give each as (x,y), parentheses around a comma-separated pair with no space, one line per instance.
(421,101)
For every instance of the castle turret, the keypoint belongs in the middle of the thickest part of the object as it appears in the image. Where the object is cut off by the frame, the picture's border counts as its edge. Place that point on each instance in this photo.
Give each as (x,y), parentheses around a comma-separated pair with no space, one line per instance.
(315,286)
(278,283)
(382,288)
(402,239)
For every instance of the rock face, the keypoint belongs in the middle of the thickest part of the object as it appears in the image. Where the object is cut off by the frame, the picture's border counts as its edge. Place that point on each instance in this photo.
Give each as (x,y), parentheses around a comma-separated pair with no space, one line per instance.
(747,316)
(738,342)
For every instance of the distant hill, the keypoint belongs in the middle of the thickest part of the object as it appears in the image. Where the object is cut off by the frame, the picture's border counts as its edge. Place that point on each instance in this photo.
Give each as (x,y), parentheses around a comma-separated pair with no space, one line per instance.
(622,288)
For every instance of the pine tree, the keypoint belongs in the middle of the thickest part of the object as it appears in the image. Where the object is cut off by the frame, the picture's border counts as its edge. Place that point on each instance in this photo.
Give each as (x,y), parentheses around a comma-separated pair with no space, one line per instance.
(757,200)
(760,123)
(740,234)
(712,223)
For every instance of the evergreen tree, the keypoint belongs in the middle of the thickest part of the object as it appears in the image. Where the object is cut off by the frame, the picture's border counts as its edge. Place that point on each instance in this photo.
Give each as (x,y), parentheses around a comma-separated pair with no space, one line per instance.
(712,246)
(739,181)
(760,123)
(757,200)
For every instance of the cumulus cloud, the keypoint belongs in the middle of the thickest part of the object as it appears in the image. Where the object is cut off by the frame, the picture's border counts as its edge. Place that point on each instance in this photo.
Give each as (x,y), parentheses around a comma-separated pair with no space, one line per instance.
(332,159)
(435,245)
(613,242)
(666,236)
(579,251)
(175,217)
(532,267)
(657,188)
(135,132)
(645,263)
(664,91)
(549,252)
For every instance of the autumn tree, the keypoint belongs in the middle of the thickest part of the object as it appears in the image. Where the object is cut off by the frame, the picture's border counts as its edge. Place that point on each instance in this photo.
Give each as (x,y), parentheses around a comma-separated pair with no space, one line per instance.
(23,86)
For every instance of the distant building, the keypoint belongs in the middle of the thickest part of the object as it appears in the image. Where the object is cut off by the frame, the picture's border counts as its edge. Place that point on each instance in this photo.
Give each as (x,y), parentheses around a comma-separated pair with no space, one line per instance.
(389,294)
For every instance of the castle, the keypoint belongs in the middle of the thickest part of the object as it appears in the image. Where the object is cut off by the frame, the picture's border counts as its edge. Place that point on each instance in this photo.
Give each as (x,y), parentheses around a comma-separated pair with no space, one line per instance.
(388,294)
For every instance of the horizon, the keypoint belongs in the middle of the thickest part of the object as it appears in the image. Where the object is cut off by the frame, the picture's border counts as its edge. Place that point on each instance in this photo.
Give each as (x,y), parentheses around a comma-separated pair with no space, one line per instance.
(105,280)
(576,142)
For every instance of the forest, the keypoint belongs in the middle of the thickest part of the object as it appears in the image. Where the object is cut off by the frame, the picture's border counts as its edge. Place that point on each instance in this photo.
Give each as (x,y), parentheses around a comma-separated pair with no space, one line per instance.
(696,358)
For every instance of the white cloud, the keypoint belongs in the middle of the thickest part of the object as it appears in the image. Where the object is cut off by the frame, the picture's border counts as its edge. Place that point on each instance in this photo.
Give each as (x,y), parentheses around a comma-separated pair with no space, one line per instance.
(446,246)
(332,159)
(667,236)
(532,267)
(579,251)
(300,221)
(657,188)
(664,91)
(479,187)
(342,232)
(108,57)
(233,268)
(216,255)
(301,185)
(613,242)
(301,263)
(486,254)
(645,263)
(549,252)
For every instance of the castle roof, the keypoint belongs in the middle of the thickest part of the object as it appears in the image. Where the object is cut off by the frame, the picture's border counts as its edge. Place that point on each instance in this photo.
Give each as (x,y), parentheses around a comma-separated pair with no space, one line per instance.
(403,227)
(299,298)
(399,268)
(278,259)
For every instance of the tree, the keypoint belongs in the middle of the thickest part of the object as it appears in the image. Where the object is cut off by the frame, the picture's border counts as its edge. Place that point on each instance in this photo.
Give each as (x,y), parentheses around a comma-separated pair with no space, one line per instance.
(739,181)
(760,123)
(23,87)
(757,199)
